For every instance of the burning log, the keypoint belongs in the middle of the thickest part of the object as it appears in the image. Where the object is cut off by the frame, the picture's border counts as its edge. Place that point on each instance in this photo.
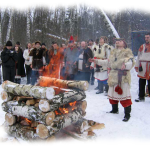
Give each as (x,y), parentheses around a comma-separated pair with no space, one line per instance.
(47,82)
(18,130)
(28,90)
(61,99)
(30,112)
(59,123)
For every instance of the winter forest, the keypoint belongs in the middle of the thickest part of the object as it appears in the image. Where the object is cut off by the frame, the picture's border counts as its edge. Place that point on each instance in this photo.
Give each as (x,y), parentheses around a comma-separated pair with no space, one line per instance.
(81,21)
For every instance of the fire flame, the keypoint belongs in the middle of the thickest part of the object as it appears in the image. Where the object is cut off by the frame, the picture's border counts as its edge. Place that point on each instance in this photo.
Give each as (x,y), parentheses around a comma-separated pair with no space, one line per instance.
(27,120)
(65,110)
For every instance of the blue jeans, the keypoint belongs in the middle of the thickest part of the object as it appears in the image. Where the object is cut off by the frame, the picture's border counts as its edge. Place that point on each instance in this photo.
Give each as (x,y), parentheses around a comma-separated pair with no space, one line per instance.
(34,76)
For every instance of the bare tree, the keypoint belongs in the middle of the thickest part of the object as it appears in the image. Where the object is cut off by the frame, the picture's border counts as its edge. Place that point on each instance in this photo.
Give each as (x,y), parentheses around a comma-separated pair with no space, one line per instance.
(9,24)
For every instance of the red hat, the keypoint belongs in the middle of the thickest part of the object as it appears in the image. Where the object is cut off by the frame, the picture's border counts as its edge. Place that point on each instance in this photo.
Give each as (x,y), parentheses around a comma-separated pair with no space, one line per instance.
(71,39)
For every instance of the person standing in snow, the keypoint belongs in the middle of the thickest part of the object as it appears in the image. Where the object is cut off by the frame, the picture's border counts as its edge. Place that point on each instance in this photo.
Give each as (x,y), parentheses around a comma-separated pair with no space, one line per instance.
(9,58)
(70,60)
(121,61)
(83,63)
(28,62)
(20,71)
(142,66)
(101,53)
(38,61)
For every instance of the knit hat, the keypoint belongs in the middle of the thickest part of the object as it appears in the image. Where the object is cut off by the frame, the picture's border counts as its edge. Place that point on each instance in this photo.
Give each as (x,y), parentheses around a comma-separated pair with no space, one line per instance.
(17,43)
(43,44)
(9,43)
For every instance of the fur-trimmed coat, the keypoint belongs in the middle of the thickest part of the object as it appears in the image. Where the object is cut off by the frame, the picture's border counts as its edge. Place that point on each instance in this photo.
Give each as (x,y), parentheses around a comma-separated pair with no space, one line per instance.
(101,55)
(116,60)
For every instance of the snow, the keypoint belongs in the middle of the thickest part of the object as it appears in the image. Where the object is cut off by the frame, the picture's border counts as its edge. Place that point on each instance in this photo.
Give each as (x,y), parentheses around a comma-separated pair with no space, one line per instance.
(136,131)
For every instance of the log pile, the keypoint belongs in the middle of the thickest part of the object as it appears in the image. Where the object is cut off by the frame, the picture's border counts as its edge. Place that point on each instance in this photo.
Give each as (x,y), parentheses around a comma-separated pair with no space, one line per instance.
(38,113)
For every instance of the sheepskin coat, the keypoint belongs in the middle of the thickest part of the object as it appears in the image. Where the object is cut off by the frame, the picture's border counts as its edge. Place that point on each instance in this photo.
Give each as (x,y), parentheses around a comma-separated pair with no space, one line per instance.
(116,60)
(101,55)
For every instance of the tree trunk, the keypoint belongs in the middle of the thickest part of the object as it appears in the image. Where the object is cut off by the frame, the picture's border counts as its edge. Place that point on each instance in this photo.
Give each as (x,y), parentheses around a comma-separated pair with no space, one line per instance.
(28,134)
(61,99)
(9,25)
(28,25)
(29,90)
(30,112)
(47,81)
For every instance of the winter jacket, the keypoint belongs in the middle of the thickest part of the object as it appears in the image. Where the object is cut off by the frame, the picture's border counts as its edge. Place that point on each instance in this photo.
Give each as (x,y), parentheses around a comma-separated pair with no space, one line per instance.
(37,59)
(26,57)
(83,60)
(9,58)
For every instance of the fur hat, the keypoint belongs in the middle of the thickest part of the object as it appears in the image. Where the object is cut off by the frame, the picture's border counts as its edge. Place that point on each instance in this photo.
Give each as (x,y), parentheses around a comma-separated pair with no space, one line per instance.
(17,43)
(122,39)
(43,44)
(37,42)
(9,43)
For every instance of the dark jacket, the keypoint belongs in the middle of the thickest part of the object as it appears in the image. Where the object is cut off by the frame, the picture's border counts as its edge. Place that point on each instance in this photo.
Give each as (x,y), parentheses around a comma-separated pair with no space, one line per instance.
(20,64)
(37,62)
(83,60)
(9,58)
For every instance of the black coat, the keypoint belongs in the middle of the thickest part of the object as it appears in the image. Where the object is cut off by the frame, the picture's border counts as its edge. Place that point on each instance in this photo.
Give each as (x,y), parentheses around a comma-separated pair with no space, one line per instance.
(20,64)
(87,53)
(9,58)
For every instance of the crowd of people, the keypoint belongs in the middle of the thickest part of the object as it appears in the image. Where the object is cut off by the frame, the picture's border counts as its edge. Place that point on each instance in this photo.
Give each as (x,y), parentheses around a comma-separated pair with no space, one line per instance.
(110,65)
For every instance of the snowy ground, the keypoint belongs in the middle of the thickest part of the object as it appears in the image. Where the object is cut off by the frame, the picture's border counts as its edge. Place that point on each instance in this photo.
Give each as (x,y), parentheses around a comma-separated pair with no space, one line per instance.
(135,132)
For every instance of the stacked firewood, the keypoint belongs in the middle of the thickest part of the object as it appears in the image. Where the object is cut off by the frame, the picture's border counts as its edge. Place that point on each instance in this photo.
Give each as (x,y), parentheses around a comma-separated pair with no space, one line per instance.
(36,112)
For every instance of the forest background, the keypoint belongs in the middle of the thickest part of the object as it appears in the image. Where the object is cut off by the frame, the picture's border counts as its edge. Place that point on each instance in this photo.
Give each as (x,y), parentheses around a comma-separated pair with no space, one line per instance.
(47,22)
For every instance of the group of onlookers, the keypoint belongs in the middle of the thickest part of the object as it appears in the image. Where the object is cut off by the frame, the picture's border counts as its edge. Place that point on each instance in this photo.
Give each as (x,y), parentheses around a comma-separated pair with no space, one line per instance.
(110,65)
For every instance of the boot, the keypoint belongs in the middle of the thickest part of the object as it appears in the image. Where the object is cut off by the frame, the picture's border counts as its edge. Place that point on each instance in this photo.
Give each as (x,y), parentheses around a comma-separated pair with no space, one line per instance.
(106,89)
(114,109)
(127,111)
(100,88)
(140,99)
(97,87)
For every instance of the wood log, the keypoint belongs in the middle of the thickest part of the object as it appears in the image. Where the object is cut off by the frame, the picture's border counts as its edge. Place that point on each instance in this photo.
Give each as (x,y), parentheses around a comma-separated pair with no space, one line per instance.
(28,134)
(30,112)
(32,102)
(61,99)
(6,96)
(10,119)
(59,123)
(28,90)
(42,131)
(47,82)
(36,105)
